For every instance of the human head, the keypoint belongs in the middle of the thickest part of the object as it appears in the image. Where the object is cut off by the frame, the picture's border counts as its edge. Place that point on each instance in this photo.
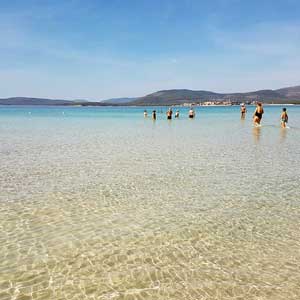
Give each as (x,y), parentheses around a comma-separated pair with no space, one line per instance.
(259,104)
(284,109)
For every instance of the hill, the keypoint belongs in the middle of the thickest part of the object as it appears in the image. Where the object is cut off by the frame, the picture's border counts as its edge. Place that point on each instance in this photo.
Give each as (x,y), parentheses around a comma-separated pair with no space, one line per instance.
(118,100)
(180,96)
(290,92)
(34,101)
(287,95)
(48,102)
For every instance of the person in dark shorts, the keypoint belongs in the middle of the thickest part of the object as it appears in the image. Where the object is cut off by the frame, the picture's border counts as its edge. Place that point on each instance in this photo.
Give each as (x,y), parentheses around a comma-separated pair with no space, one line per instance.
(284,118)
(169,114)
(154,115)
(243,111)
(191,113)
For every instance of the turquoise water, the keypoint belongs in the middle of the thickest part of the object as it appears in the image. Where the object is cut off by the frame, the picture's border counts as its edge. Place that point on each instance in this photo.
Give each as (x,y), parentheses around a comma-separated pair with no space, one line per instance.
(101,203)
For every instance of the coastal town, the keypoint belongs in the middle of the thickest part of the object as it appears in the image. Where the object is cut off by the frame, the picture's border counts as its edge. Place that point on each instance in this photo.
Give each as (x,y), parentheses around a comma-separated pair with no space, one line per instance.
(216,103)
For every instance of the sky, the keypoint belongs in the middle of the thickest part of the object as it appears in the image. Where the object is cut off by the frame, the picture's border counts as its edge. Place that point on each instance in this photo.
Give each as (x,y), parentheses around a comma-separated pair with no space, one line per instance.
(103,49)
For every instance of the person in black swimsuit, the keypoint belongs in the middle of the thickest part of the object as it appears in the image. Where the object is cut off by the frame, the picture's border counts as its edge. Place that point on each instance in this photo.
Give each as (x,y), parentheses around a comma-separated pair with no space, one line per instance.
(257,116)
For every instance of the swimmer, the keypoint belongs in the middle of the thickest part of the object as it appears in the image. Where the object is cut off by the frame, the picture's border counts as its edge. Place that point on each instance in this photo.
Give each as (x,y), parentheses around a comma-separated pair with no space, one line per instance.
(145,113)
(191,113)
(257,116)
(284,118)
(243,111)
(177,114)
(154,115)
(169,114)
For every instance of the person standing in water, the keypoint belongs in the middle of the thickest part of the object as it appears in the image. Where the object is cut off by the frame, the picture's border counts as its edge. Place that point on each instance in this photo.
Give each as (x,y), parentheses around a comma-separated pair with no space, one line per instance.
(154,115)
(145,113)
(257,116)
(177,114)
(191,113)
(169,114)
(243,111)
(284,118)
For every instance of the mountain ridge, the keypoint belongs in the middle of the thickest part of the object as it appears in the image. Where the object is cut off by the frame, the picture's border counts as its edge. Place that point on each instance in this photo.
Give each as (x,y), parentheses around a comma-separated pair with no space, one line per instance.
(288,95)
(180,96)
(118,100)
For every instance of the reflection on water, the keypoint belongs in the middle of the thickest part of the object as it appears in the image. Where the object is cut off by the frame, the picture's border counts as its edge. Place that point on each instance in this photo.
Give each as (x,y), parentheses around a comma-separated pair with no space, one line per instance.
(96,207)
(243,121)
(256,131)
(283,133)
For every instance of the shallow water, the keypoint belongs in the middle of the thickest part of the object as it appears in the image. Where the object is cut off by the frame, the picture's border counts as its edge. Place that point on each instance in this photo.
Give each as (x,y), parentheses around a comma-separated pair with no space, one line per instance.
(100,203)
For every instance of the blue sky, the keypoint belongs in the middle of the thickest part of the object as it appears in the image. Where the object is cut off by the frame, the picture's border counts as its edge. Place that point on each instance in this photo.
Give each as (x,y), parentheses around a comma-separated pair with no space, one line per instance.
(125,48)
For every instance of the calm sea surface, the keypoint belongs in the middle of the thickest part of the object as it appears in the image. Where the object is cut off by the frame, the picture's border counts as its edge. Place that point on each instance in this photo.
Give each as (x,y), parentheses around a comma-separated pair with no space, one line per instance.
(100,203)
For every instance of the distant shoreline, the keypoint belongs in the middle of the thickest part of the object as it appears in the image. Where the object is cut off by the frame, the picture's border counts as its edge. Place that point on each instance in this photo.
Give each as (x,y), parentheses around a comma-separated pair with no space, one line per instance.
(146,105)
(175,97)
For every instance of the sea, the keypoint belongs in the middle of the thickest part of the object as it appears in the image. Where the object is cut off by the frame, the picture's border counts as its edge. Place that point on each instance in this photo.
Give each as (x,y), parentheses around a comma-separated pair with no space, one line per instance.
(102,203)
